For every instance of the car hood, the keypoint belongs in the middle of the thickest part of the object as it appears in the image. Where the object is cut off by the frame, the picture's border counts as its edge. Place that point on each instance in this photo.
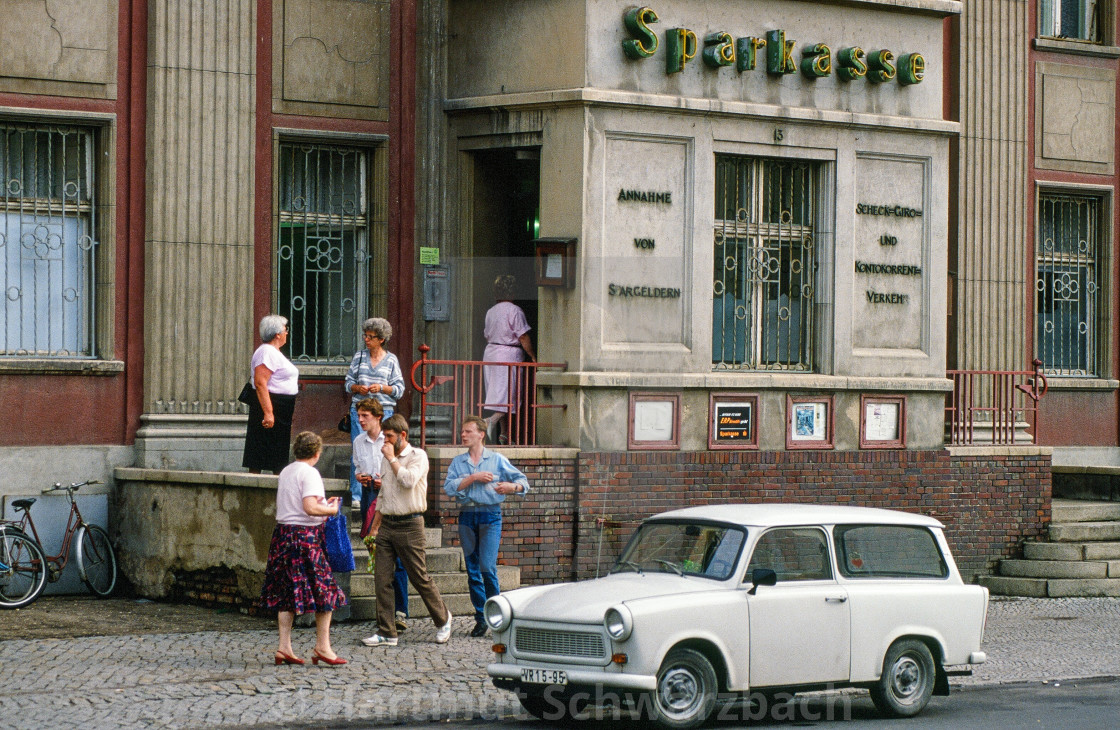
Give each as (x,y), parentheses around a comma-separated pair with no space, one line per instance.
(587,601)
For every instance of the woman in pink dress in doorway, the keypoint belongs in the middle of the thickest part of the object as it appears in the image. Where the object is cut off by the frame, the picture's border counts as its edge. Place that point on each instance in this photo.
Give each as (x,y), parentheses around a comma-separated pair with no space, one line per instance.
(507,340)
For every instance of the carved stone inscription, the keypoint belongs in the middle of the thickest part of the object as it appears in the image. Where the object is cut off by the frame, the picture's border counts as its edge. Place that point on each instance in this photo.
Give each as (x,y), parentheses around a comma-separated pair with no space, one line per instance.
(644,241)
(888,277)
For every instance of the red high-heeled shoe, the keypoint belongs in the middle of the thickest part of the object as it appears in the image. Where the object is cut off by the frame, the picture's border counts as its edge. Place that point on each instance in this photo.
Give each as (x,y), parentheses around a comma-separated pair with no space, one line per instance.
(282,658)
(316,657)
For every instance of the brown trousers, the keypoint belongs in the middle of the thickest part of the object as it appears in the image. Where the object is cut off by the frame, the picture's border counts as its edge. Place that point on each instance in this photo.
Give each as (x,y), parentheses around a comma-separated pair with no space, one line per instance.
(405,540)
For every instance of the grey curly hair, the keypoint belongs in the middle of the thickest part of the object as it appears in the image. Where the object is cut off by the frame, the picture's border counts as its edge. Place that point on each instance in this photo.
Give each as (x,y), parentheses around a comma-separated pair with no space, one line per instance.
(378,326)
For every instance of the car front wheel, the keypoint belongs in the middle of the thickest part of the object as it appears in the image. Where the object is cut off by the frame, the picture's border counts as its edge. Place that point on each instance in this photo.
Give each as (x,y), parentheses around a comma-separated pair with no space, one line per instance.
(686,690)
(906,685)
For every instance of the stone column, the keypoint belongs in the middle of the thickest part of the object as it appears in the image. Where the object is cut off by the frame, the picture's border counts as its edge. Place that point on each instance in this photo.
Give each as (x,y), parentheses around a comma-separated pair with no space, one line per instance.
(199,327)
(992,245)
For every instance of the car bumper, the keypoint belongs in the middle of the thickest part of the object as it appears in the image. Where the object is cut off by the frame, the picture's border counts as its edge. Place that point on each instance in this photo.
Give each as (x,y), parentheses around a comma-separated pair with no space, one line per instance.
(509,675)
(977,657)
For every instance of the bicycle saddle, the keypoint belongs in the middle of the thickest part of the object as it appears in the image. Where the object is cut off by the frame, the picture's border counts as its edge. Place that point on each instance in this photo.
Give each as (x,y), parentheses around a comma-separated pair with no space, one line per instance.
(23,504)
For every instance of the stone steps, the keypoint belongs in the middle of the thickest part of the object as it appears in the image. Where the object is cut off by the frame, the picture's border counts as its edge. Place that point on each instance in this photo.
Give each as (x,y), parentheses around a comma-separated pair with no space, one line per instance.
(446,566)
(1081,559)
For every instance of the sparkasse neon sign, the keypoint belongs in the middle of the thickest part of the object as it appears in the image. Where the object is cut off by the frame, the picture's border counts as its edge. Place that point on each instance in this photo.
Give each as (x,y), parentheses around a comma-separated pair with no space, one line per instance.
(720,49)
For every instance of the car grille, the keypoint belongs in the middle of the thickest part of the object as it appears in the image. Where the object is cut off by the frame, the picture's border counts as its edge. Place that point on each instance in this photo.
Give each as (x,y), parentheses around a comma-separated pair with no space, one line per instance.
(583,644)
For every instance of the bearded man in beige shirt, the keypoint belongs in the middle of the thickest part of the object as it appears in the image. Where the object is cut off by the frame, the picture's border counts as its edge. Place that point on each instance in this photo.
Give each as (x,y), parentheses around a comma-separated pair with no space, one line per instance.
(401,504)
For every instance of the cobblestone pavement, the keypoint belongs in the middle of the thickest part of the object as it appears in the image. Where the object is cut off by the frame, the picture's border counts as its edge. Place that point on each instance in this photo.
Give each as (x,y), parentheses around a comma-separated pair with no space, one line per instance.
(213,679)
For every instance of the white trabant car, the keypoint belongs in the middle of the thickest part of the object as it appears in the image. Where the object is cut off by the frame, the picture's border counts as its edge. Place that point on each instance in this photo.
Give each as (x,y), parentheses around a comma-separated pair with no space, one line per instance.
(718,603)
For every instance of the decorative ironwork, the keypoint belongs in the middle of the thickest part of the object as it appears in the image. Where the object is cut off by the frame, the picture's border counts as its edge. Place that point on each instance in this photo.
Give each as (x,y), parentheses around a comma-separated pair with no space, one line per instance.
(765,264)
(1066,286)
(48,249)
(994,406)
(323,249)
(451,390)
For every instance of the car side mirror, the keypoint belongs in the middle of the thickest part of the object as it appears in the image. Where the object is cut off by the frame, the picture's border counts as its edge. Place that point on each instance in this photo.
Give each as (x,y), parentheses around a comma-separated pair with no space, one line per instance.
(762,577)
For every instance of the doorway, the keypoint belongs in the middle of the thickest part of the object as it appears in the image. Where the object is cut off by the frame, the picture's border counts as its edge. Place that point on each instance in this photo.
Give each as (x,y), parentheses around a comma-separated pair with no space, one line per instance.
(505,202)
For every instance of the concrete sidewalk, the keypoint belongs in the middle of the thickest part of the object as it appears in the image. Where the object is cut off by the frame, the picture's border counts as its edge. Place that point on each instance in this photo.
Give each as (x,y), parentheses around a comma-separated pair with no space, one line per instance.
(216,679)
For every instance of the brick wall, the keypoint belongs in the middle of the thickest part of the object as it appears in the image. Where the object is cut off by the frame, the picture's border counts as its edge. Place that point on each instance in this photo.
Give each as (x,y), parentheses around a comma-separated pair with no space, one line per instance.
(537,531)
(989,504)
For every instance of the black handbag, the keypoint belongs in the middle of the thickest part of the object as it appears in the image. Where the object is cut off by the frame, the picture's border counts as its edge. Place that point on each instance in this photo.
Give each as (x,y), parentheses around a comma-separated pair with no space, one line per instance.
(344,423)
(248,394)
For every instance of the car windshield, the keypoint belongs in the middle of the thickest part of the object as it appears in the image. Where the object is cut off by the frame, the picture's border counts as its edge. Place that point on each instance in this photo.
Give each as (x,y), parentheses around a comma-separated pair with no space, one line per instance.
(687,548)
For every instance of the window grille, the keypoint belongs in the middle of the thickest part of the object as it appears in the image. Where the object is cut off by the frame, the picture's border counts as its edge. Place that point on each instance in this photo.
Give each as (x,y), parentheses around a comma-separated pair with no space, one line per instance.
(47,238)
(323,249)
(1067,284)
(764,264)
(1078,19)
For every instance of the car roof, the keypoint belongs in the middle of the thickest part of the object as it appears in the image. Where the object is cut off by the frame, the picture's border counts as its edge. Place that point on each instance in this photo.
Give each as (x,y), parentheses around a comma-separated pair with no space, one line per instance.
(770,515)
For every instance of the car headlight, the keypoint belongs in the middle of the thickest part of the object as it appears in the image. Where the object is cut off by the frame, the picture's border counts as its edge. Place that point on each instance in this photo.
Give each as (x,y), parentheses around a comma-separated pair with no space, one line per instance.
(619,622)
(498,613)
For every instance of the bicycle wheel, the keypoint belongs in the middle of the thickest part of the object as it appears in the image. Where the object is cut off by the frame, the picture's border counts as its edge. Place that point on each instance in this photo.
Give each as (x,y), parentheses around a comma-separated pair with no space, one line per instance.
(97,563)
(23,569)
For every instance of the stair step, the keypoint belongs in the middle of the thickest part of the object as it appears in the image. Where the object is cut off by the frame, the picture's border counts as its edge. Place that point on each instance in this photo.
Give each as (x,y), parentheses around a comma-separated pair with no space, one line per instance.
(433,538)
(1000,585)
(1080,510)
(1084,531)
(1071,550)
(438,560)
(1083,588)
(1052,588)
(1053,569)
(509,577)
(364,608)
(1054,550)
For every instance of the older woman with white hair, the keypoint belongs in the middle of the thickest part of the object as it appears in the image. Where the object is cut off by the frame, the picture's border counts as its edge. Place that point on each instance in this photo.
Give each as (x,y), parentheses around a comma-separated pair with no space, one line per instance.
(275,382)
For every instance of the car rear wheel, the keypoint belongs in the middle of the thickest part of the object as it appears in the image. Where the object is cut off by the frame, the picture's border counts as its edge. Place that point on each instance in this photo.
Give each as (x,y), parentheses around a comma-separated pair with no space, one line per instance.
(686,690)
(906,685)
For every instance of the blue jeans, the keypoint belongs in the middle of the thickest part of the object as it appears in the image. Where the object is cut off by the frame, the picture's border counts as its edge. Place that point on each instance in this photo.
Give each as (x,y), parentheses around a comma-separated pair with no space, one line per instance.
(480,534)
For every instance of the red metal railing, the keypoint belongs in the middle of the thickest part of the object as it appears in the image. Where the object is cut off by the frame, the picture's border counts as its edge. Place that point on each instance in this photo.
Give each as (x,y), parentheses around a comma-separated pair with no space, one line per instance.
(457,389)
(987,406)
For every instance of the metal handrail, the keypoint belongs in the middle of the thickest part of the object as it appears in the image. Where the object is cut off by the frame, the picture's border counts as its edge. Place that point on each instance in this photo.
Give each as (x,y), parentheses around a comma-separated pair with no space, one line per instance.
(995,401)
(467,393)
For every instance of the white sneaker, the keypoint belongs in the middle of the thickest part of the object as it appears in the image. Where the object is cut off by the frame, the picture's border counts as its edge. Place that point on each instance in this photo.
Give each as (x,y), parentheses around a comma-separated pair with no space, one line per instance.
(443,633)
(379,640)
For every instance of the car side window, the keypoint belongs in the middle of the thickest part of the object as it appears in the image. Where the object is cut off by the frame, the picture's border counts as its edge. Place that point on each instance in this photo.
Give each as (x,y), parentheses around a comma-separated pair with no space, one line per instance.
(794,553)
(888,551)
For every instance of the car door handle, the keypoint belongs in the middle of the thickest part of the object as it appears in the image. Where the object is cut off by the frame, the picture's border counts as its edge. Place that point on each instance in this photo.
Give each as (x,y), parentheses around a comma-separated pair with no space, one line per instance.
(835,599)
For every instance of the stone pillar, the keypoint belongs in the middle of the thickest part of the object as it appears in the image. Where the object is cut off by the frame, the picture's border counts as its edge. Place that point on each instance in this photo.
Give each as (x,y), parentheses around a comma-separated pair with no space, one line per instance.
(199,327)
(992,290)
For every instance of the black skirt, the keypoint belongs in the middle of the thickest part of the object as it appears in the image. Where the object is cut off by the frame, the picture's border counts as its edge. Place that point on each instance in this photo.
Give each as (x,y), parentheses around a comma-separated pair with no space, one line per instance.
(267,448)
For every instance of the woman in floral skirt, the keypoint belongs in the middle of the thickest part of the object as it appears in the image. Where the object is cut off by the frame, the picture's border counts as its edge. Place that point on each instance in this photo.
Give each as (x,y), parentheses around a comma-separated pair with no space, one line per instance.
(298,577)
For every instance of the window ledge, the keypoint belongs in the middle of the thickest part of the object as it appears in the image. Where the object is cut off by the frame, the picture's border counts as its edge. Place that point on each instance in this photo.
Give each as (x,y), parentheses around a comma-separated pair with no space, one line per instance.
(1081,384)
(307,371)
(49,366)
(1080,48)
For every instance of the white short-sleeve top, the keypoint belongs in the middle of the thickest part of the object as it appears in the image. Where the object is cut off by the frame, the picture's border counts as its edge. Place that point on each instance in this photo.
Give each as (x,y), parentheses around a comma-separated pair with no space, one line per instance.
(298,480)
(285,375)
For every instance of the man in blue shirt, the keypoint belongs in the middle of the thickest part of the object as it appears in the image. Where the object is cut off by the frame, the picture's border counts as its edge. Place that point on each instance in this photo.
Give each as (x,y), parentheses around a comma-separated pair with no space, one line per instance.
(480,480)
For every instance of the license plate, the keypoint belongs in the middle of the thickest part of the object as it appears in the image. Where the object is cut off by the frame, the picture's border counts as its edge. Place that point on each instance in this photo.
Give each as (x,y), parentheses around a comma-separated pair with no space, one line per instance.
(544,676)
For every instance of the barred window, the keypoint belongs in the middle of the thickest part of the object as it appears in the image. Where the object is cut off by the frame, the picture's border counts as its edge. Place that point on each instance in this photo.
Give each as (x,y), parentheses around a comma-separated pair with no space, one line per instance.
(323,248)
(1067,286)
(764,264)
(48,241)
(1078,19)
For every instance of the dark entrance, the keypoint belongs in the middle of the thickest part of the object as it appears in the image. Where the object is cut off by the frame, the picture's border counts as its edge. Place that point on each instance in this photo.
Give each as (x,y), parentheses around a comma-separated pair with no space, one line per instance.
(505,222)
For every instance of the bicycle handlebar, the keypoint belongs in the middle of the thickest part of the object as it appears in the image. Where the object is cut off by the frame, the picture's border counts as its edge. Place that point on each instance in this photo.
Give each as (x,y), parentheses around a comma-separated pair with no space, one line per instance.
(72,488)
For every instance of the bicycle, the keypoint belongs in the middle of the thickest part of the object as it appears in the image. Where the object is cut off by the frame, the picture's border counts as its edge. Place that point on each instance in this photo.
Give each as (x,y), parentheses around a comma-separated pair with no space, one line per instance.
(23,568)
(96,559)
